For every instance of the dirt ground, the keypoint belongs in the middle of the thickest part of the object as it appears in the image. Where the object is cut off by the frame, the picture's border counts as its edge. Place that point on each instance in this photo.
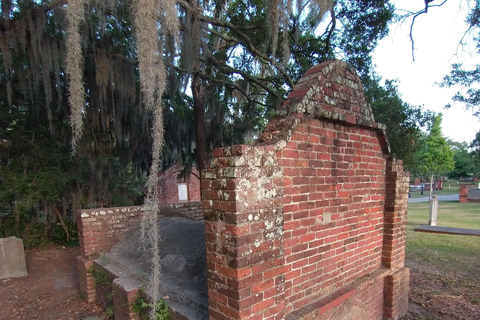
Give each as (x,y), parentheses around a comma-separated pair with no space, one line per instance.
(50,291)
(440,295)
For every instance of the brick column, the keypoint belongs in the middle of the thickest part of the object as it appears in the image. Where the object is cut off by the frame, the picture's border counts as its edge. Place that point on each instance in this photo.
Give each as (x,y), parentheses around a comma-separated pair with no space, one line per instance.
(393,253)
(242,197)
(396,294)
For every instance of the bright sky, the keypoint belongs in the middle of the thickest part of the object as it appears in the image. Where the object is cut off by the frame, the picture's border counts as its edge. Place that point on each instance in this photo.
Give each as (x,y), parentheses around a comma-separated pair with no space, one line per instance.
(437,35)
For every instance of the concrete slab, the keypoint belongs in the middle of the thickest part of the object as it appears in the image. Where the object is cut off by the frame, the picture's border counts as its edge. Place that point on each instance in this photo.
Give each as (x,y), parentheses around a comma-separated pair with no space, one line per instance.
(12,258)
(448,230)
(183,263)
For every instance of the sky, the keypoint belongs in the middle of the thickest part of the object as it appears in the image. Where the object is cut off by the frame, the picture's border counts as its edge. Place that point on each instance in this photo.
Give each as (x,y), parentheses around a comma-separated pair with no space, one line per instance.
(437,35)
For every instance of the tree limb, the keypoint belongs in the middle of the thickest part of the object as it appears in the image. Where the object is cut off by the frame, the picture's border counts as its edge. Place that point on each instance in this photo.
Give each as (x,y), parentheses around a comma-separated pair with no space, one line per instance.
(330,32)
(234,86)
(230,70)
(245,39)
(415,15)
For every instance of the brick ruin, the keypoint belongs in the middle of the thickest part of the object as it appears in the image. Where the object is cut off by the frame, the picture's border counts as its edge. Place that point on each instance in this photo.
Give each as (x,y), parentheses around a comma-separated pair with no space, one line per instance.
(100,229)
(169,184)
(468,193)
(310,221)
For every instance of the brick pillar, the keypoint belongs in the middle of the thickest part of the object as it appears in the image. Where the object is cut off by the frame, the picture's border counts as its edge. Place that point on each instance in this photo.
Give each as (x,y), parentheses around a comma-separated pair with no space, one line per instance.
(396,294)
(85,279)
(84,262)
(125,293)
(242,194)
(393,253)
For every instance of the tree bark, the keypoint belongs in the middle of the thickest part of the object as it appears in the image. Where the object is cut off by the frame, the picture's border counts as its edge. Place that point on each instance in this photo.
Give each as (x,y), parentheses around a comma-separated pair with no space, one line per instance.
(431,188)
(200,132)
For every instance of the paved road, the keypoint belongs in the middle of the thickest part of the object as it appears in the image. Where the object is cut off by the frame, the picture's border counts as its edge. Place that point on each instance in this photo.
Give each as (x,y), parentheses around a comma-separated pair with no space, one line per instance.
(448,197)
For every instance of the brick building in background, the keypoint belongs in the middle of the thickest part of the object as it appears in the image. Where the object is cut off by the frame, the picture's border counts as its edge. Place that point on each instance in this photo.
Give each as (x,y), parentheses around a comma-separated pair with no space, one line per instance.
(173,189)
(309,222)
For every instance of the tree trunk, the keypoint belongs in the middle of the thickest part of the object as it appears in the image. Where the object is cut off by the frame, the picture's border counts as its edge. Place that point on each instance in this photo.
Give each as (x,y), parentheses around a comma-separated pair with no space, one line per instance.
(76,202)
(200,133)
(431,187)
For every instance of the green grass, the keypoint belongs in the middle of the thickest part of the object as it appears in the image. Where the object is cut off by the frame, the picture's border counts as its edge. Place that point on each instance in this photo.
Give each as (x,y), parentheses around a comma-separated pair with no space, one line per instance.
(443,267)
(445,252)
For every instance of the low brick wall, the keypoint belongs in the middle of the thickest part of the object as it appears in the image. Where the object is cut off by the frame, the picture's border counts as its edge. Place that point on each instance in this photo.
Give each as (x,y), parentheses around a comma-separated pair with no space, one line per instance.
(100,229)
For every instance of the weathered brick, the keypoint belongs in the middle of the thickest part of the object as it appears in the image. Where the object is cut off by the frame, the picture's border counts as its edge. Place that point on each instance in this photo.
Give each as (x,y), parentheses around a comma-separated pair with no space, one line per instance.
(338,225)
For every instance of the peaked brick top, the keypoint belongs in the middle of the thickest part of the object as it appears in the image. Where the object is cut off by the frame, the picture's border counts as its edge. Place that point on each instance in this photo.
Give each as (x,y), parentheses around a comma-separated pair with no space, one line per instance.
(331,90)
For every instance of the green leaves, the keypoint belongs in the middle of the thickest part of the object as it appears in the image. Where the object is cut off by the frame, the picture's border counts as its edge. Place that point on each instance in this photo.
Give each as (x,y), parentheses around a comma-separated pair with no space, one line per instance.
(464,161)
(467,79)
(437,157)
(404,122)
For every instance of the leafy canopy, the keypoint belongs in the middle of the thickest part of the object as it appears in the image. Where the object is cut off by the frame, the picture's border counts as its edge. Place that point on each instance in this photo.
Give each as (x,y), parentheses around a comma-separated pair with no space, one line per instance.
(437,157)
(404,122)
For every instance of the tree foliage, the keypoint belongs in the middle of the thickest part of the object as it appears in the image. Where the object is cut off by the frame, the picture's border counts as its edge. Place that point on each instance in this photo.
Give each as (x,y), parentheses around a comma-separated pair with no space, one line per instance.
(404,122)
(231,65)
(437,157)
(475,153)
(467,159)
(467,80)
(36,167)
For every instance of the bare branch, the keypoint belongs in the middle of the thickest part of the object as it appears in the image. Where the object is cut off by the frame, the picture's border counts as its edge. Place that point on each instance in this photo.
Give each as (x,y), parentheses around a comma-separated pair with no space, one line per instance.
(230,70)
(234,86)
(415,15)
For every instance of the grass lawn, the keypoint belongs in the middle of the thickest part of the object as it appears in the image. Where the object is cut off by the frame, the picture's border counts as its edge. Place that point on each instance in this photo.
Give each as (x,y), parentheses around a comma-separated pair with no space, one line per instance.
(443,250)
(445,269)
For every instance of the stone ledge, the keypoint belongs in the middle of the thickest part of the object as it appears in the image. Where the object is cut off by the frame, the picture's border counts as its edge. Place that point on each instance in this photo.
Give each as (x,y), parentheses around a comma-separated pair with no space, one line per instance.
(448,230)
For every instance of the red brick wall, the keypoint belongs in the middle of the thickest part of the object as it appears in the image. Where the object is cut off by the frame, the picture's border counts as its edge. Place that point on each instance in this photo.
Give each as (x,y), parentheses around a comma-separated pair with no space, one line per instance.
(168,184)
(333,208)
(309,222)
(98,231)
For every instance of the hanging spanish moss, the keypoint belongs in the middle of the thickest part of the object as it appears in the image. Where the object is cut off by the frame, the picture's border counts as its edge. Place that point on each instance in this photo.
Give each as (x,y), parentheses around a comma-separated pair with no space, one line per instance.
(278,15)
(152,84)
(273,18)
(74,67)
